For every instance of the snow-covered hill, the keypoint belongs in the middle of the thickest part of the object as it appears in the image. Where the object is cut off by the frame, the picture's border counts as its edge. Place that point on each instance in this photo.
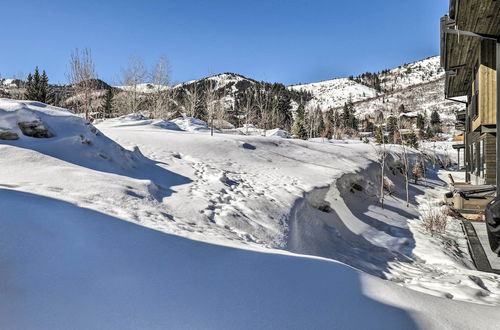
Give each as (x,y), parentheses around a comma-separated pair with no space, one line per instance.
(418,86)
(412,74)
(334,93)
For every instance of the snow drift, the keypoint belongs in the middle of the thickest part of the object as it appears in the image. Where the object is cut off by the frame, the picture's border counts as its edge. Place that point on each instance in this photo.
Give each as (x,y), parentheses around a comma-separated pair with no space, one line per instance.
(76,251)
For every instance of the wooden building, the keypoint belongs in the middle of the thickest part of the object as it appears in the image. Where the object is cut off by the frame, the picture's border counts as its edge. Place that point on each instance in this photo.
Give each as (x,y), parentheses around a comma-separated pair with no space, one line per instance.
(470,55)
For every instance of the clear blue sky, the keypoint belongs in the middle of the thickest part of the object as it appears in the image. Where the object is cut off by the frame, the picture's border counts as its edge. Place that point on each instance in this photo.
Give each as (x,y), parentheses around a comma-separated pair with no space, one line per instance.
(274,40)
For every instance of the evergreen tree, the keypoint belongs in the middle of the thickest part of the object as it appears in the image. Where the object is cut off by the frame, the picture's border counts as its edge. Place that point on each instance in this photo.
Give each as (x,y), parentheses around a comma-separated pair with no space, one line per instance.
(108,106)
(412,141)
(320,125)
(380,138)
(349,120)
(298,129)
(346,116)
(392,127)
(44,94)
(435,122)
(429,132)
(435,118)
(330,124)
(353,122)
(420,121)
(37,87)
(30,88)
(284,112)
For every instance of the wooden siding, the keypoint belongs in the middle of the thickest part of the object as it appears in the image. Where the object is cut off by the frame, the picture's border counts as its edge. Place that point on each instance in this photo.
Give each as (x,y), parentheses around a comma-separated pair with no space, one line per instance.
(490,159)
(486,98)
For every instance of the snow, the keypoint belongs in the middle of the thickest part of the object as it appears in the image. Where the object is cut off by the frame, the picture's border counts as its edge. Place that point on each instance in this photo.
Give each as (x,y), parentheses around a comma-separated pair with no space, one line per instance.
(9,83)
(334,93)
(135,224)
(144,88)
(82,269)
(418,85)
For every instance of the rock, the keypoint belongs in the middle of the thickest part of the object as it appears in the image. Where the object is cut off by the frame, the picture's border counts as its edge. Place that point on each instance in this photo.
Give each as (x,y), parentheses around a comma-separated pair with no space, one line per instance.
(34,129)
(7,135)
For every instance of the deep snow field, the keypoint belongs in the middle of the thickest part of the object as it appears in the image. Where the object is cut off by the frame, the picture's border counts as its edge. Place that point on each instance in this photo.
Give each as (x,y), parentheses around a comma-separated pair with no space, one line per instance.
(139,223)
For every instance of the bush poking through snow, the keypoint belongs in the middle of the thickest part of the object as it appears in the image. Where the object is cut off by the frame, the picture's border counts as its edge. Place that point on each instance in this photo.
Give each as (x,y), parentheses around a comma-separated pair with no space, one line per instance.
(435,220)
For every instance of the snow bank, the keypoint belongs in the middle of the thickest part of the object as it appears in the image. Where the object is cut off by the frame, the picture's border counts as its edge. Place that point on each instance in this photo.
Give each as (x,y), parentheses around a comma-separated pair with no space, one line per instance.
(69,137)
(191,124)
(81,269)
(253,130)
(188,124)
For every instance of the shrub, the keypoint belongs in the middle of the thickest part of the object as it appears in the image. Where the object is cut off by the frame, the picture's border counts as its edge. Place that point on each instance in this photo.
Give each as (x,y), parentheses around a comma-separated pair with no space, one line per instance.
(435,220)
(417,171)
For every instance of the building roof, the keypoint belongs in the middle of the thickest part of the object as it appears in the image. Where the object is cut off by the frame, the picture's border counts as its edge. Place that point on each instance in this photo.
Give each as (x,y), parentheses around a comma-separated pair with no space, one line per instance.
(458,59)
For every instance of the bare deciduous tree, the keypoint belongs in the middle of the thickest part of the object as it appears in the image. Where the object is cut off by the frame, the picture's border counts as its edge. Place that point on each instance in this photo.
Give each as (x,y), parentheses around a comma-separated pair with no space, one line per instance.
(82,76)
(382,152)
(247,107)
(406,162)
(134,75)
(263,104)
(211,102)
(192,101)
(160,95)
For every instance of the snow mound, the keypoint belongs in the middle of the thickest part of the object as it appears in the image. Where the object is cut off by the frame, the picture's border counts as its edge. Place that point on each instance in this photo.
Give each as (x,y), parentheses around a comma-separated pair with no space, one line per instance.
(278,132)
(253,130)
(68,136)
(139,119)
(191,124)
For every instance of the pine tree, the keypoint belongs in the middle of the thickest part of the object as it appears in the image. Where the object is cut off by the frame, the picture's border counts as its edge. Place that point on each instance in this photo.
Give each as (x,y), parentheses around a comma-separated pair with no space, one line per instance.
(429,133)
(435,118)
(284,113)
(412,141)
(37,87)
(30,93)
(298,129)
(108,106)
(380,138)
(330,124)
(392,127)
(320,124)
(44,94)
(345,115)
(420,121)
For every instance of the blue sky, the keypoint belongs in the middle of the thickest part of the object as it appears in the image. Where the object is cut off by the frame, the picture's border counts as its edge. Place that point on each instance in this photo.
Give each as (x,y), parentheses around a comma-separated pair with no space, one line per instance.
(274,40)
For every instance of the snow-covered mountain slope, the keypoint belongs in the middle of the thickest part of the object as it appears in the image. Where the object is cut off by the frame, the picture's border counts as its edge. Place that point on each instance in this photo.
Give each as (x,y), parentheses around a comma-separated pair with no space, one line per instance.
(411,74)
(418,86)
(143,88)
(271,195)
(422,98)
(334,93)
